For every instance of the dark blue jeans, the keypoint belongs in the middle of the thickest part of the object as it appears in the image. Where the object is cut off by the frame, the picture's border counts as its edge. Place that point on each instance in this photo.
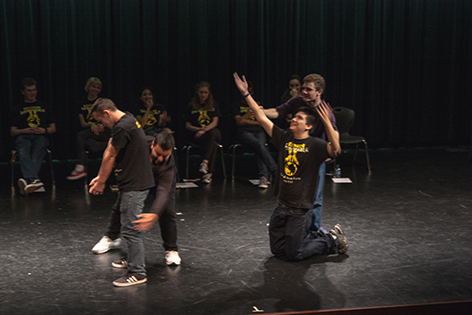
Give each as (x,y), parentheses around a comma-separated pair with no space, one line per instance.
(290,237)
(256,141)
(318,204)
(31,149)
(127,207)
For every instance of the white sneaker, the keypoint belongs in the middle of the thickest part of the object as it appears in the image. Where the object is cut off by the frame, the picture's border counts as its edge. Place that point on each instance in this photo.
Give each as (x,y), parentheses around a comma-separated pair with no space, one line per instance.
(33,186)
(203,168)
(42,189)
(172,257)
(206,178)
(105,244)
(22,183)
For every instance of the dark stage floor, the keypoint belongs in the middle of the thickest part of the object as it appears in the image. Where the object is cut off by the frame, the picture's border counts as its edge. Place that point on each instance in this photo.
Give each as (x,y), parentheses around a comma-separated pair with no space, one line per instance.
(408,225)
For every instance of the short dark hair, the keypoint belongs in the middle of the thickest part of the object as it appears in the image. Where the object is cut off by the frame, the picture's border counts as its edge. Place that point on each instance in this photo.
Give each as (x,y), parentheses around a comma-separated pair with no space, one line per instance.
(165,139)
(102,104)
(28,82)
(310,114)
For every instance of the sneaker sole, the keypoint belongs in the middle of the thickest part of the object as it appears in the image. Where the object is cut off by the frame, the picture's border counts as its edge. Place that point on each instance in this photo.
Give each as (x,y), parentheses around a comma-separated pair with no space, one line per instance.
(21,186)
(127,284)
(119,266)
(339,228)
(31,189)
(340,231)
(76,177)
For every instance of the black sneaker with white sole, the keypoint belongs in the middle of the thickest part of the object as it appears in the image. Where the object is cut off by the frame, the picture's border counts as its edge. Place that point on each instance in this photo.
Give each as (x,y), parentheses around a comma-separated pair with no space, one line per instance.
(33,185)
(130,279)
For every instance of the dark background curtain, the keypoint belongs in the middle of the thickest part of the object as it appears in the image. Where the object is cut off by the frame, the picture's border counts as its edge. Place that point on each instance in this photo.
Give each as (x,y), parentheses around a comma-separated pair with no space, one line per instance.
(403,66)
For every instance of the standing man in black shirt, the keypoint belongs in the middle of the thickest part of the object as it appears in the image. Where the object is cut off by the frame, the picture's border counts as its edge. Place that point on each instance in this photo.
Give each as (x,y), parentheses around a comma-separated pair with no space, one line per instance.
(300,156)
(128,151)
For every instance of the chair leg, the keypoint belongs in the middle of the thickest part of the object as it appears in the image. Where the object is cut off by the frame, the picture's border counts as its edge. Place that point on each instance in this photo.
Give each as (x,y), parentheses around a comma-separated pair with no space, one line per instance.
(12,165)
(187,162)
(355,154)
(86,168)
(367,156)
(222,160)
(176,159)
(52,170)
(234,146)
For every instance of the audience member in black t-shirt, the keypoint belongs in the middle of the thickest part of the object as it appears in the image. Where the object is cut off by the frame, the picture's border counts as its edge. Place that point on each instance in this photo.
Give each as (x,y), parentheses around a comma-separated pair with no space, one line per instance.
(93,136)
(250,133)
(152,116)
(300,156)
(201,120)
(31,122)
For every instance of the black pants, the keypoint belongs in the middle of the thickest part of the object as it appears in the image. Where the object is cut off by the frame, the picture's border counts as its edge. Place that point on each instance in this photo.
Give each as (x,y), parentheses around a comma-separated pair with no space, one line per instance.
(209,143)
(290,236)
(87,140)
(167,223)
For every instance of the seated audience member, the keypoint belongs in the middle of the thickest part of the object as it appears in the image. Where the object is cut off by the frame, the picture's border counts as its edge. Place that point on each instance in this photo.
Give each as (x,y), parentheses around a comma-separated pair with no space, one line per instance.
(249,132)
(201,119)
(93,136)
(32,121)
(152,116)
(294,88)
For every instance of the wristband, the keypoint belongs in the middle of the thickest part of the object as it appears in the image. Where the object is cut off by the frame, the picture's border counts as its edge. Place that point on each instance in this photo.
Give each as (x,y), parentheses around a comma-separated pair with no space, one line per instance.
(46,130)
(246,95)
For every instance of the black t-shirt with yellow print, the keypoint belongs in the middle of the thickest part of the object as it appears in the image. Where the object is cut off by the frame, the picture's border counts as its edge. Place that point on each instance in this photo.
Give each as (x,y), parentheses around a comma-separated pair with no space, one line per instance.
(84,108)
(154,115)
(30,115)
(297,168)
(240,108)
(201,117)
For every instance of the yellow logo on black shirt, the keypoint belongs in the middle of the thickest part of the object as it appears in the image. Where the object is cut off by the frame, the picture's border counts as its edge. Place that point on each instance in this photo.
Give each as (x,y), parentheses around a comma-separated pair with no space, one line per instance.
(33,118)
(291,162)
(203,118)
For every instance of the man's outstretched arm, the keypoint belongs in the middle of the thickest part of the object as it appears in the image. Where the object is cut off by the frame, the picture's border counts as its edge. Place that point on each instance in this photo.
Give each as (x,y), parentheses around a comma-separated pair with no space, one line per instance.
(265,122)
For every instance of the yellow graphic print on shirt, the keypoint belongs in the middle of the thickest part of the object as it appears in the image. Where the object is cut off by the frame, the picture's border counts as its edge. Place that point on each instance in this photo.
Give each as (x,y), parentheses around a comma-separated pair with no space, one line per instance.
(152,120)
(33,118)
(291,162)
(244,110)
(87,107)
(203,118)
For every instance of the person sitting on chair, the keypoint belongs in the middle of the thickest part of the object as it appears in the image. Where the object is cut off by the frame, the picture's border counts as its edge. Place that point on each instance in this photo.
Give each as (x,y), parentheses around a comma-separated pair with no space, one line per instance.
(250,133)
(93,136)
(152,116)
(201,120)
(32,121)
